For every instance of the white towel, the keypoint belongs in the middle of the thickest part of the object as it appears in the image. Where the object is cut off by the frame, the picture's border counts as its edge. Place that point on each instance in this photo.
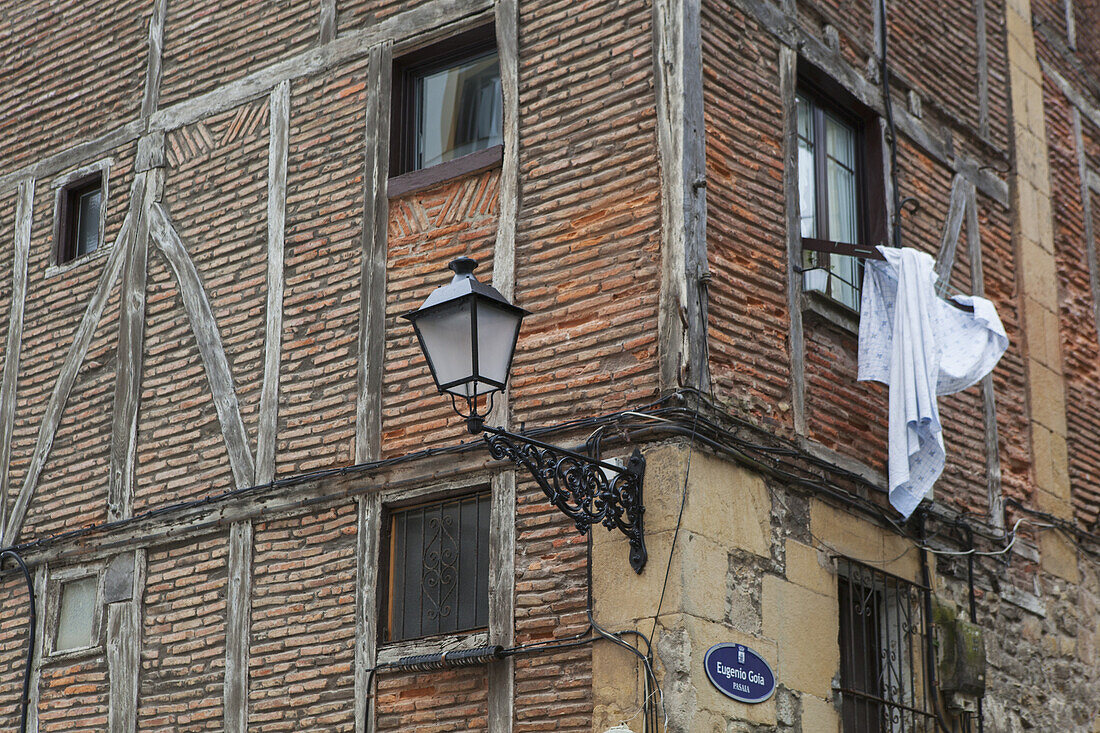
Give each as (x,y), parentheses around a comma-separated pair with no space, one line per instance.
(921,347)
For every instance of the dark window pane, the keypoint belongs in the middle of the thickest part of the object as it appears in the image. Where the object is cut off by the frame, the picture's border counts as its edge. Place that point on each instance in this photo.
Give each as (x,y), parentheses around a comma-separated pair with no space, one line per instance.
(439,568)
(87,226)
(459,110)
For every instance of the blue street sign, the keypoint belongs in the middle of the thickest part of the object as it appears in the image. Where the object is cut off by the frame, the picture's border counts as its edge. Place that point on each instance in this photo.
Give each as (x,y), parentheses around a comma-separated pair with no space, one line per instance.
(739,672)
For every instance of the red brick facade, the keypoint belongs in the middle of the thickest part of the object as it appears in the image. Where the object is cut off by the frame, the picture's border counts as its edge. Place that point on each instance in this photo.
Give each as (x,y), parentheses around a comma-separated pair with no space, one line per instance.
(182,97)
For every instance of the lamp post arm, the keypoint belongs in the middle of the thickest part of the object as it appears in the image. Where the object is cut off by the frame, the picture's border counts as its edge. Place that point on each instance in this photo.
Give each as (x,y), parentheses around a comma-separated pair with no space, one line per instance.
(25,701)
(587,490)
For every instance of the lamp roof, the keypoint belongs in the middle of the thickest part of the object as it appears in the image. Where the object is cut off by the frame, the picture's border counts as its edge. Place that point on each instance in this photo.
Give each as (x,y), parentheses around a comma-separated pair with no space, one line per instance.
(464,283)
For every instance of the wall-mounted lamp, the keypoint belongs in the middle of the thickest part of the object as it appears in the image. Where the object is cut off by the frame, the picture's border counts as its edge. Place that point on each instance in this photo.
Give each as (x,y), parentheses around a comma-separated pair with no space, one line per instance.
(468,332)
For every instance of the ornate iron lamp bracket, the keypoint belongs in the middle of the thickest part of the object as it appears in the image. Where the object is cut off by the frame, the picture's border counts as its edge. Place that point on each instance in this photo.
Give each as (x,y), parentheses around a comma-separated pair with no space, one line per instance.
(589,491)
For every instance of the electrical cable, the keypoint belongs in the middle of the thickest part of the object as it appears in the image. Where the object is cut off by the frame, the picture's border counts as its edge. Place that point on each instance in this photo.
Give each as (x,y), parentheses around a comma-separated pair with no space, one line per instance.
(32,624)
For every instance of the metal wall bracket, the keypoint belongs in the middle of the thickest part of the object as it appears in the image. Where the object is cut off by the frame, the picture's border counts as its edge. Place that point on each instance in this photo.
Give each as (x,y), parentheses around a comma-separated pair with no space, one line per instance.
(587,490)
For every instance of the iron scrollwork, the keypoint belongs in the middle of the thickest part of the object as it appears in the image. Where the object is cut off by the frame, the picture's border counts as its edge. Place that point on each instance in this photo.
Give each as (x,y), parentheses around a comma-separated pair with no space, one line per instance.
(587,490)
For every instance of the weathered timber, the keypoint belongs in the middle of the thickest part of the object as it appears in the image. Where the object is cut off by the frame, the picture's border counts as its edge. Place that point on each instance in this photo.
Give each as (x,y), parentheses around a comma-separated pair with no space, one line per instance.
(124,651)
(989,400)
(1083,173)
(502,581)
(82,338)
(982,44)
(788,87)
(238,625)
(372,294)
(279,121)
(326,21)
(678,85)
(945,258)
(131,342)
(1078,99)
(209,343)
(366,607)
(151,98)
(22,241)
(504,246)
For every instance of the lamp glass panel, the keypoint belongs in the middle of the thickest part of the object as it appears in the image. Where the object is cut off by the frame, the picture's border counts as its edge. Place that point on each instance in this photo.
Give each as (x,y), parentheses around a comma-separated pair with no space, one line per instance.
(496,338)
(446,334)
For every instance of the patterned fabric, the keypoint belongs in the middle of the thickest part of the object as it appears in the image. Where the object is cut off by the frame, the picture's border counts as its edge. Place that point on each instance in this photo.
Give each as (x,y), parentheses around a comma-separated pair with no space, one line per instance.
(921,347)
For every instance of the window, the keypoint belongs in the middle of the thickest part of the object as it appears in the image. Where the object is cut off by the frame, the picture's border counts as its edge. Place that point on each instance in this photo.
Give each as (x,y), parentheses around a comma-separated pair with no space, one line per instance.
(438,568)
(80,218)
(883,635)
(448,103)
(829,186)
(74,601)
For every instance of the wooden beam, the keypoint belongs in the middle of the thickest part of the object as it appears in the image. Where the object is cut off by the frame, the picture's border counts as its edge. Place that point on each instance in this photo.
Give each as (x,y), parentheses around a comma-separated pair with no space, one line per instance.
(151,98)
(372,295)
(788,87)
(238,626)
(366,607)
(504,247)
(1083,173)
(276,218)
(209,343)
(502,586)
(982,44)
(989,402)
(326,22)
(124,651)
(131,356)
(70,367)
(678,84)
(945,258)
(22,242)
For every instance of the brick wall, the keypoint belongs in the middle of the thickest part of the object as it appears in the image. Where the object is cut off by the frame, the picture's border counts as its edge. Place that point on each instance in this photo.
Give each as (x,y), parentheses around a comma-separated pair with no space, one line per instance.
(84,65)
(438,702)
(14,638)
(427,230)
(324,220)
(303,622)
(211,42)
(587,259)
(183,637)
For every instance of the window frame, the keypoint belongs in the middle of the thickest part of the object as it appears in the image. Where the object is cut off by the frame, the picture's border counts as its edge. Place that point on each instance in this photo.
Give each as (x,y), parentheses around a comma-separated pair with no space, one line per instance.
(827,96)
(56,579)
(388,555)
(67,190)
(403,176)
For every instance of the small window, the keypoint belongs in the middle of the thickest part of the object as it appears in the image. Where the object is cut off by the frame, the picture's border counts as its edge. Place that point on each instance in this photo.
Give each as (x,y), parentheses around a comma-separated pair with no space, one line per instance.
(438,568)
(80,210)
(883,636)
(448,102)
(77,614)
(829,194)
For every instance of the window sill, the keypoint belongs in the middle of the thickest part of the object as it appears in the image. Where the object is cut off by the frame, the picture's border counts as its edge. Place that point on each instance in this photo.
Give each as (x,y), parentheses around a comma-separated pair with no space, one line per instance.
(824,308)
(425,178)
(394,651)
(101,252)
(69,656)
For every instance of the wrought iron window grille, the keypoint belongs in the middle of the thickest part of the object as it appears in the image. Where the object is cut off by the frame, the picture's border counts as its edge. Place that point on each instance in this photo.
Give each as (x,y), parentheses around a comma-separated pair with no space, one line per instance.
(884,670)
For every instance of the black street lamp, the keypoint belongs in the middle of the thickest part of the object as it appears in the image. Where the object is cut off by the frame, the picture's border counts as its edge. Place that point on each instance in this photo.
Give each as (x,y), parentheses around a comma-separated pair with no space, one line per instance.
(468,332)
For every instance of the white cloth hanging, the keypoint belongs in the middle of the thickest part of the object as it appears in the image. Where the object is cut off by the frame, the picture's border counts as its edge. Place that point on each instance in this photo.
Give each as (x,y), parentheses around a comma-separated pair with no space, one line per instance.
(921,347)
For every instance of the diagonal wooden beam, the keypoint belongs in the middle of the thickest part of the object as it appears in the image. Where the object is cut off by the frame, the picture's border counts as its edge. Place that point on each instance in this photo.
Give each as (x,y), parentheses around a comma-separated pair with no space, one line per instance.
(945,260)
(69,369)
(209,342)
(15,334)
(279,121)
